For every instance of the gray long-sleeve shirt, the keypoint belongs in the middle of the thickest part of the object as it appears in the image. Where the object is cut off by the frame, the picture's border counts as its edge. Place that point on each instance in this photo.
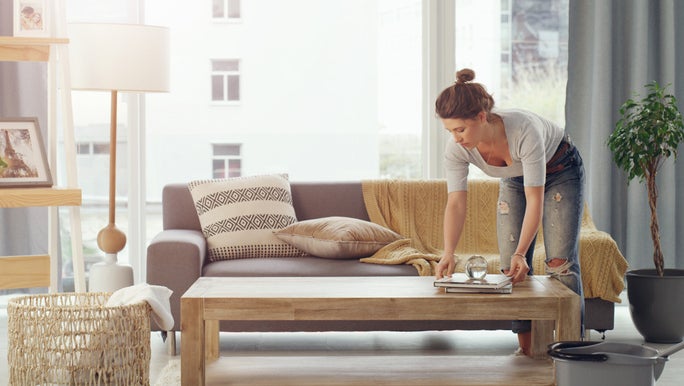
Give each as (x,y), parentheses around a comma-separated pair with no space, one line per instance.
(532,141)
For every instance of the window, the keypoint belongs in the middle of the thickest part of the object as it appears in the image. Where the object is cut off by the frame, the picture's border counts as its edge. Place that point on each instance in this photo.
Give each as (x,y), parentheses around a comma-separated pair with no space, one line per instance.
(225,10)
(226,161)
(322,90)
(523,57)
(225,80)
(399,66)
(535,45)
(83,148)
(91,148)
(100,148)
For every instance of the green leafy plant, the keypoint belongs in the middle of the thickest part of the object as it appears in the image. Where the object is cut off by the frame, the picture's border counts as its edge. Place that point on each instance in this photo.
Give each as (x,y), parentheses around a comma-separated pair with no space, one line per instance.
(647,133)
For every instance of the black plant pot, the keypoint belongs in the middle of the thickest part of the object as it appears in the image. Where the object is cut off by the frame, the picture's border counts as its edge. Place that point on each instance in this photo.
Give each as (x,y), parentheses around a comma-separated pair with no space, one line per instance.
(657,304)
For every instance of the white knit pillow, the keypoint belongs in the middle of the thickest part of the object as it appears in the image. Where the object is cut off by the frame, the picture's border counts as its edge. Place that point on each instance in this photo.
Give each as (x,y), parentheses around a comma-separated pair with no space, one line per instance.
(238,216)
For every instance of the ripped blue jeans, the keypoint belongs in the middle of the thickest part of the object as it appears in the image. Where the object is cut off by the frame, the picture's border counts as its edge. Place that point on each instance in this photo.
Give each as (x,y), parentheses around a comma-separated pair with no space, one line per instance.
(562,218)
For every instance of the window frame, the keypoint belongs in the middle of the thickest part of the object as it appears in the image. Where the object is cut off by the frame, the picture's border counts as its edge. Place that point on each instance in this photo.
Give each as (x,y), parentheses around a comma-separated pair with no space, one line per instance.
(226,159)
(226,8)
(225,77)
(91,148)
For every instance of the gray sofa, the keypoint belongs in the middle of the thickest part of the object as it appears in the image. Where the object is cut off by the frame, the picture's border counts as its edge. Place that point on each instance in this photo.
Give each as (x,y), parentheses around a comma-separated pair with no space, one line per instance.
(176,257)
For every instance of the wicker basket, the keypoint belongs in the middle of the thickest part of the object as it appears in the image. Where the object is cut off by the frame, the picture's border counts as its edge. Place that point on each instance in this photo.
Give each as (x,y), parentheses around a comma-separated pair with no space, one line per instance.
(74,339)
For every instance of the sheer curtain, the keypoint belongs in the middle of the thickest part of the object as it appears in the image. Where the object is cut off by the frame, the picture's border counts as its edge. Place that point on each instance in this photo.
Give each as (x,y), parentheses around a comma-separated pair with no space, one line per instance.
(23,231)
(615,48)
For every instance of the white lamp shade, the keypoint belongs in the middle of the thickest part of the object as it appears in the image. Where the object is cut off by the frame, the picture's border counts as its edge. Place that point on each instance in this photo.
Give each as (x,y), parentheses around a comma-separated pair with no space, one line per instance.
(121,57)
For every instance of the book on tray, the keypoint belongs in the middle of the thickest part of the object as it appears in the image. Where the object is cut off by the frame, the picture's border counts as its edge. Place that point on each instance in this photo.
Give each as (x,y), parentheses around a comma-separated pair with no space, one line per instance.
(507,289)
(460,282)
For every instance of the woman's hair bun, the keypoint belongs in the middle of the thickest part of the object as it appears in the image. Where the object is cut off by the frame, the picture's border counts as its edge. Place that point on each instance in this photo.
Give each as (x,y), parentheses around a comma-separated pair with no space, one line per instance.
(465,75)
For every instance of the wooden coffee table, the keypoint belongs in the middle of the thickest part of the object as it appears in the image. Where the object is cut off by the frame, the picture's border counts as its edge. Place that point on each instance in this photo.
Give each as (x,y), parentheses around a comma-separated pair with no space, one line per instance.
(548,303)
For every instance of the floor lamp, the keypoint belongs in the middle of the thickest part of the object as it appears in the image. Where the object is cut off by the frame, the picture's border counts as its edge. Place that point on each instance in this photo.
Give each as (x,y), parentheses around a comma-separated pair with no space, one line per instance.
(116,58)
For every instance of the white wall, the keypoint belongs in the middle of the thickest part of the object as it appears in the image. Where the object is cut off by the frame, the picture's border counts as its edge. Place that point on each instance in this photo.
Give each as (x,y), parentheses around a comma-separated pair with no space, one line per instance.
(308,91)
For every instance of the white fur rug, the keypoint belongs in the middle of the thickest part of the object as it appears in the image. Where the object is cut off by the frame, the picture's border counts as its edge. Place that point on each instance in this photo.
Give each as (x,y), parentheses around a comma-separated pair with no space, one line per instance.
(170,374)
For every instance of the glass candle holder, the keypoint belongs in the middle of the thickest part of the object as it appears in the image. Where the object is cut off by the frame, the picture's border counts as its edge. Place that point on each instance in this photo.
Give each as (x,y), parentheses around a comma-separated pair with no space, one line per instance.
(476,267)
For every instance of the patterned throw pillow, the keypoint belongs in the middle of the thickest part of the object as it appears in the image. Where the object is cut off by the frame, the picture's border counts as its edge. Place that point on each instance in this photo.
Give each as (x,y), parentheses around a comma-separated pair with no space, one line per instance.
(238,216)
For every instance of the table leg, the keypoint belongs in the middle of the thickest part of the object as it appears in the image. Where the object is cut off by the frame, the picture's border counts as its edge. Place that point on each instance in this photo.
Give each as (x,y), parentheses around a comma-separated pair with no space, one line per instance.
(171,343)
(192,342)
(542,336)
(568,324)
(211,333)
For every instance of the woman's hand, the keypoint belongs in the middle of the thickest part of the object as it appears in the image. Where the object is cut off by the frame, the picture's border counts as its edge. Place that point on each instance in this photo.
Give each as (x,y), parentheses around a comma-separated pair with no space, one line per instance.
(519,268)
(445,267)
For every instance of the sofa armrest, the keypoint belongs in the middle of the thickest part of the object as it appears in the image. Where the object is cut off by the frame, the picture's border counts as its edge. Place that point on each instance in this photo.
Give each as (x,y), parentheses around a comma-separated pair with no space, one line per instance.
(603,266)
(175,258)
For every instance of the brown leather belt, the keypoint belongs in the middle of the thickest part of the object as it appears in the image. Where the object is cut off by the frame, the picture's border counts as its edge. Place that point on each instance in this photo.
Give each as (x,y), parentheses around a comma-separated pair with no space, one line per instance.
(562,148)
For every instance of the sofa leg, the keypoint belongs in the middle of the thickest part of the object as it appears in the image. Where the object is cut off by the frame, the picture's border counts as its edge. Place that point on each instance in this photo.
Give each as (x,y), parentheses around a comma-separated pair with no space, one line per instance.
(171,343)
(587,334)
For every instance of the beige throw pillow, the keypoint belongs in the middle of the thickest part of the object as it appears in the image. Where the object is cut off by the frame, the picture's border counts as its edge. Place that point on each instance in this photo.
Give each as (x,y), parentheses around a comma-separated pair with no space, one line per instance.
(238,216)
(338,237)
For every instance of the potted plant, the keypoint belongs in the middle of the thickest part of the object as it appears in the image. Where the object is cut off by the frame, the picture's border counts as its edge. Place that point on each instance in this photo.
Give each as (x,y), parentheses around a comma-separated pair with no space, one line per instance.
(648,132)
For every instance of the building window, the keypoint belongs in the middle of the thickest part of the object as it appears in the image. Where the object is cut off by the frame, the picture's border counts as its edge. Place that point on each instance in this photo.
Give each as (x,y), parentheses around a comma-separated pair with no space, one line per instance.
(83,148)
(226,10)
(92,148)
(100,148)
(226,160)
(225,80)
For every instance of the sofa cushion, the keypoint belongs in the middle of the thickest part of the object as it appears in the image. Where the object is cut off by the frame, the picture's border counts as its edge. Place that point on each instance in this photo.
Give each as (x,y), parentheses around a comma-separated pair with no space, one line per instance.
(337,237)
(238,216)
(303,267)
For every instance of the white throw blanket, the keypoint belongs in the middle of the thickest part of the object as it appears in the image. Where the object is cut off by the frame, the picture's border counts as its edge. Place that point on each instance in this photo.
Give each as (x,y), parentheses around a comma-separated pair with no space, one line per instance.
(156,296)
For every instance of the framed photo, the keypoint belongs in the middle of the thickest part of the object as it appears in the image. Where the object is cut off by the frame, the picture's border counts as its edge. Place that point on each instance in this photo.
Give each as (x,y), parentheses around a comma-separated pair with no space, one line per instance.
(32,18)
(23,162)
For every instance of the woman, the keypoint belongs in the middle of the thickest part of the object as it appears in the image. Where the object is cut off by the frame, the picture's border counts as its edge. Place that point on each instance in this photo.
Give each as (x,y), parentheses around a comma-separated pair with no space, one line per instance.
(542,179)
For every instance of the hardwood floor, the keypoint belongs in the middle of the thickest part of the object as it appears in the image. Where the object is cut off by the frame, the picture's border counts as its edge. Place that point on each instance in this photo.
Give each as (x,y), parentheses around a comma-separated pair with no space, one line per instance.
(388,369)
(337,353)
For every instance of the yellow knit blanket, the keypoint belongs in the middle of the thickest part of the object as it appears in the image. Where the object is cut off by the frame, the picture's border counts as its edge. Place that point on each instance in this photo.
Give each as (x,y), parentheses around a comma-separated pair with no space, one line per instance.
(415,209)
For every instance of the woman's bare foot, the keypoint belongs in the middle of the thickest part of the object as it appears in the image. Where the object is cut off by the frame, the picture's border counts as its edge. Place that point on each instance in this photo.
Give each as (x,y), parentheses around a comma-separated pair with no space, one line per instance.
(525,342)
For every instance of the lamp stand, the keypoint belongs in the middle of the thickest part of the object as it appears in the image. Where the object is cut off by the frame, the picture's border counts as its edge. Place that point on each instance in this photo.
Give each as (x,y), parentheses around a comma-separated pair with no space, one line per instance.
(109,275)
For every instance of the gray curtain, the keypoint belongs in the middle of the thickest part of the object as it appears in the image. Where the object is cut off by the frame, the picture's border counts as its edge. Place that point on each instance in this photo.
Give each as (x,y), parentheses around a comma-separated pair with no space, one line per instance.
(615,48)
(23,231)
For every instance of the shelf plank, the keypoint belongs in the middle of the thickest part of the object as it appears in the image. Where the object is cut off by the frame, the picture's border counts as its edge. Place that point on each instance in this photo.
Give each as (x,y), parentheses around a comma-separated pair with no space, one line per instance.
(21,40)
(25,49)
(26,197)
(28,53)
(24,271)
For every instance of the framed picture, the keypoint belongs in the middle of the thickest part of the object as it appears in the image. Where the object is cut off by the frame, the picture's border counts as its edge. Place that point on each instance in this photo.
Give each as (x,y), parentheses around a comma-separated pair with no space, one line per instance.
(23,162)
(32,18)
